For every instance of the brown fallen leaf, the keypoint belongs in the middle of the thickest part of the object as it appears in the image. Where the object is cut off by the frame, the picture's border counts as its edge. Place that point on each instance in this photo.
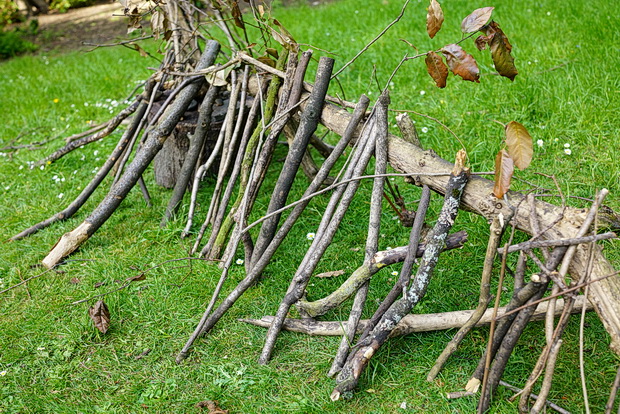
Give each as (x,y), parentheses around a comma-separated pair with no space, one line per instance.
(100,316)
(75,281)
(211,406)
(330,274)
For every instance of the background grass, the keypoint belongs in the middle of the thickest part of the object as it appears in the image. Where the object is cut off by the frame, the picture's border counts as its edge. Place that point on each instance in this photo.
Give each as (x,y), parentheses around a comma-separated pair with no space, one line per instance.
(55,361)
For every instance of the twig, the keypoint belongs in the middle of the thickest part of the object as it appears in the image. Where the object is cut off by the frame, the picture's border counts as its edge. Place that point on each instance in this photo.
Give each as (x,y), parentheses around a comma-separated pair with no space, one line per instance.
(100,132)
(495,235)
(349,375)
(546,384)
(612,393)
(528,245)
(27,280)
(405,272)
(411,323)
(535,397)
(365,48)
(374,226)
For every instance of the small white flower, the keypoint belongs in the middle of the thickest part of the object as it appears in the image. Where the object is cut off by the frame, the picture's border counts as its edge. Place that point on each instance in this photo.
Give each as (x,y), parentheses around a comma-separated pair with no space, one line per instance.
(548,13)
(310,236)
(2,373)
(422,92)
(74,172)
(72,105)
(567,151)
(388,248)
(239,262)
(394,273)
(394,217)
(96,152)
(41,348)
(540,143)
(21,167)
(403,405)
(555,140)
(61,195)
(7,188)
(85,103)
(567,145)
(42,167)
(424,130)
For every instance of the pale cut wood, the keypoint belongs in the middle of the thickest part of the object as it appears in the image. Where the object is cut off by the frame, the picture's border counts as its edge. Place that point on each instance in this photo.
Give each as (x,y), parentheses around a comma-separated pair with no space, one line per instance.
(411,323)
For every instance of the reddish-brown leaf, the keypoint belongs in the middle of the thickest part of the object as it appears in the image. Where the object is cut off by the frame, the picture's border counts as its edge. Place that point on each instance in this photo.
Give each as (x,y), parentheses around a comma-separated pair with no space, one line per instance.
(434,18)
(476,20)
(519,144)
(100,316)
(437,69)
(500,51)
(482,42)
(504,167)
(236,14)
(461,63)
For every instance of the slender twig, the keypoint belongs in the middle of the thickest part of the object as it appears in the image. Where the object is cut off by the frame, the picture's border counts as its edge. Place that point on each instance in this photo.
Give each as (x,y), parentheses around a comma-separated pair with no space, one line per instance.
(365,48)
(528,245)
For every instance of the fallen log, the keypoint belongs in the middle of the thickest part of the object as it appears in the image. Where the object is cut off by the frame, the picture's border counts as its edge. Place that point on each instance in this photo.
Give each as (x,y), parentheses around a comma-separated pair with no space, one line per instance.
(428,168)
(411,323)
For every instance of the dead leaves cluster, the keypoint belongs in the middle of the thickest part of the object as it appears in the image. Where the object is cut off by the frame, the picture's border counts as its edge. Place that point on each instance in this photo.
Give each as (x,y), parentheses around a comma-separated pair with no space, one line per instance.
(458,61)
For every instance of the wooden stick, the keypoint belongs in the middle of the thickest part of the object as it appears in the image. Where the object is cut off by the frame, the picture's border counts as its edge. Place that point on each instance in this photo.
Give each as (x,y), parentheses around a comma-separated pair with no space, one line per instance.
(349,375)
(374,227)
(72,240)
(99,133)
(97,179)
(554,243)
(368,269)
(309,122)
(411,323)
(197,140)
(495,234)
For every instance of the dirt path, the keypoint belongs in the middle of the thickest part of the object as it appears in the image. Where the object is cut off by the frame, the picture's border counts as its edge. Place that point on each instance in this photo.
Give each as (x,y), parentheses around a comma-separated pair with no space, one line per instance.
(99,24)
(63,32)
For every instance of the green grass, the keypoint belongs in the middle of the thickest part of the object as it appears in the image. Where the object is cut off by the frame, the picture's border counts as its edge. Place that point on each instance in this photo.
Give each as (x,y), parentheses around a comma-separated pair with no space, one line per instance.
(54,359)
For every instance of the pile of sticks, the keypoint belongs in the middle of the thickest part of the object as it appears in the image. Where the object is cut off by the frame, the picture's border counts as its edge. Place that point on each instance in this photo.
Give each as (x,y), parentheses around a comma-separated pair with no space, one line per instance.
(284,104)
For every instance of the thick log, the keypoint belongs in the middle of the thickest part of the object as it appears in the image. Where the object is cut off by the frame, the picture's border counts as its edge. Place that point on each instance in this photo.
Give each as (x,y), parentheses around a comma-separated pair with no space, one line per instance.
(478,198)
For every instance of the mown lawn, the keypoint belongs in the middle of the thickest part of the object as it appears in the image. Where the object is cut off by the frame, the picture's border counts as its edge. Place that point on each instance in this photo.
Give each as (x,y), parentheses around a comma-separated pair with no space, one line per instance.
(53,360)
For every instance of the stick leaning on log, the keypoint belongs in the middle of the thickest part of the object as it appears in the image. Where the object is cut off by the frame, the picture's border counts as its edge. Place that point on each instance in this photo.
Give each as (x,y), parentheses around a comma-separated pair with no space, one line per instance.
(478,198)
(69,242)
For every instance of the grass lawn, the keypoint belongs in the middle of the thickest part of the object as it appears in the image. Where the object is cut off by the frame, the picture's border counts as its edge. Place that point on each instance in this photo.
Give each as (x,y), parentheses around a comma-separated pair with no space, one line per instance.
(53,360)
